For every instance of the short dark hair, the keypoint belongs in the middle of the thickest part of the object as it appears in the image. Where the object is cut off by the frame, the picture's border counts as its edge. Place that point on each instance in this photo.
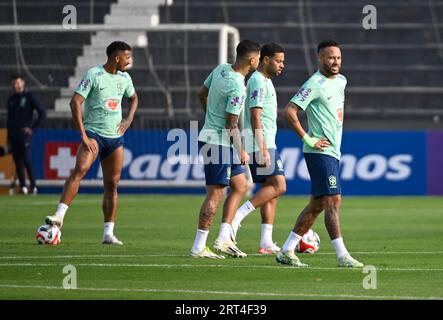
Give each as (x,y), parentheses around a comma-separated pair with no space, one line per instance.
(117,46)
(17,76)
(327,43)
(270,49)
(246,47)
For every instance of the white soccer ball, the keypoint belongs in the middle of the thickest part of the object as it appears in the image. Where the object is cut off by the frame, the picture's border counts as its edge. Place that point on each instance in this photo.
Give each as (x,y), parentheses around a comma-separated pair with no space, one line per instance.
(47,234)
(309,243)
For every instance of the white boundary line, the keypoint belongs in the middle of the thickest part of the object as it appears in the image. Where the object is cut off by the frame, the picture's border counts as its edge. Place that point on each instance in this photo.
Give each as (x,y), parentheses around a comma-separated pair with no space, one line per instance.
(231,293)
(184,255)
(155,265)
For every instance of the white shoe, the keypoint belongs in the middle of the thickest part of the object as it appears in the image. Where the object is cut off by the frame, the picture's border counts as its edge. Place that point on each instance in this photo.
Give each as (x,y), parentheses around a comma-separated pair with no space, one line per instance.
(24,190)
(111,240)
(229,247)
(349,262)
(206,253)
(54,220)
(270,249)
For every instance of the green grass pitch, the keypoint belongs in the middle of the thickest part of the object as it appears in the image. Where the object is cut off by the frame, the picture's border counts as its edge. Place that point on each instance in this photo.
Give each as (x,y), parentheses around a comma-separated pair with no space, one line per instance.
(402,237)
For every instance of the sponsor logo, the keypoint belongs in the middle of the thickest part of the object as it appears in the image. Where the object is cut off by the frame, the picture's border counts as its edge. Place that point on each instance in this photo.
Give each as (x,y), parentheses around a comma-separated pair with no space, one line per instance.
(59,159)
(84,84)
(303,93)
(254,95)
(112,104)
(340,114)
(237,101)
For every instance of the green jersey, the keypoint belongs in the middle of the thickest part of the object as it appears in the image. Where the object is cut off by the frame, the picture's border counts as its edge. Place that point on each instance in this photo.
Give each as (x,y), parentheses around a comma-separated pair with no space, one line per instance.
(323,101)
(227,94)
(260,93)
(103,93)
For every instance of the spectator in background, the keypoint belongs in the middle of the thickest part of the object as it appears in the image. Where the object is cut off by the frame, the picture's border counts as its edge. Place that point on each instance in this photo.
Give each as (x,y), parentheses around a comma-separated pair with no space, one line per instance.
(20,125)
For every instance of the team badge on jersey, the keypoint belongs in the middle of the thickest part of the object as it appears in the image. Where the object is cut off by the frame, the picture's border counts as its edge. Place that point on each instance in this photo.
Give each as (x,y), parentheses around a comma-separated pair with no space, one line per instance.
(120,88)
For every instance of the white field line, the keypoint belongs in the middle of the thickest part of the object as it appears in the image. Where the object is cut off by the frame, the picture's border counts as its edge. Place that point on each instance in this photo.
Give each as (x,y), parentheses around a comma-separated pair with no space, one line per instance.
(81,256)
(155,265)
(231,293)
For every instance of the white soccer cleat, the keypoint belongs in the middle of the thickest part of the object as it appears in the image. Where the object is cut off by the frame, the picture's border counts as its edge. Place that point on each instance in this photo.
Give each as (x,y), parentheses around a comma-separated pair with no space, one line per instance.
(206,253)
(54,220)
(229,247)
(349,262)
(289,258)
(112,240)
(270,249)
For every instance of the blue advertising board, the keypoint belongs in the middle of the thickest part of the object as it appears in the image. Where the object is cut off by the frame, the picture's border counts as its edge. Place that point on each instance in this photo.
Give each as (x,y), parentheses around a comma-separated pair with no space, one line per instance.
(372,163)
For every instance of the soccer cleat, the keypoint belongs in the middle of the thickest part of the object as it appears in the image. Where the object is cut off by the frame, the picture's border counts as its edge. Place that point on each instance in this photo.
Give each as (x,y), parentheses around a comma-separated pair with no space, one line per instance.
(289,258)
(230,248)
(111,240)
(271,249)
(54,220)
(24,190)
(349,262)
(206,253)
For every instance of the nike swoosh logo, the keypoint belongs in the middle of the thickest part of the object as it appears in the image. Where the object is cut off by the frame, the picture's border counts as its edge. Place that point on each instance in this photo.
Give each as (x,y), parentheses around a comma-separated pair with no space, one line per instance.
(329,97)
(102,89)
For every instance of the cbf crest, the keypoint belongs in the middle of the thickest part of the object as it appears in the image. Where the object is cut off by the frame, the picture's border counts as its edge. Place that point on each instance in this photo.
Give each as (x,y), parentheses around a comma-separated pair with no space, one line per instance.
(228,173)
(280,165)
(332,182)
(120,88)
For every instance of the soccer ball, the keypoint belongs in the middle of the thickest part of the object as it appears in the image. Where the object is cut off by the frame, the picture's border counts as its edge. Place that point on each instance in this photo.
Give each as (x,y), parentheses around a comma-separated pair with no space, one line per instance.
(47,234)
(309,243)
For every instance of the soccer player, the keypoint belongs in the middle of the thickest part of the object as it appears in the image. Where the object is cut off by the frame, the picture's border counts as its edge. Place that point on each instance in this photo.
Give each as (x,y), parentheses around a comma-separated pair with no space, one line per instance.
(322,98)
(222,97)
(261,128)
(101,129)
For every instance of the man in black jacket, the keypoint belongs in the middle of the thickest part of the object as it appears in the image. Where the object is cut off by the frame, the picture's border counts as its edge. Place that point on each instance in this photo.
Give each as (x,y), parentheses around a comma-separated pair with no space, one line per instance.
(20,126)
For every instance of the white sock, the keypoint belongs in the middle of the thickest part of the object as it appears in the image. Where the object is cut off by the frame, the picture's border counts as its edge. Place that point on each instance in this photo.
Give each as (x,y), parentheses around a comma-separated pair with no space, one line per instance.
(108,229)
(61,210)
(241,213)
(200,240)
(266,235)
(291,242)
(339,247)
(225,232)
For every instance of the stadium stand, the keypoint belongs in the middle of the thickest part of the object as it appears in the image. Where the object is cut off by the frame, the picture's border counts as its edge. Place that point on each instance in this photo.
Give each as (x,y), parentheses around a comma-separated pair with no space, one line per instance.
(394,72)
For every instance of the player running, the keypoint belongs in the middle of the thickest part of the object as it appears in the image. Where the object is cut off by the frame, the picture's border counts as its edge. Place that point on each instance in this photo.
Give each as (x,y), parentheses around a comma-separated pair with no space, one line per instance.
(222,97)
(322,98)
(101,129)
(261,129)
